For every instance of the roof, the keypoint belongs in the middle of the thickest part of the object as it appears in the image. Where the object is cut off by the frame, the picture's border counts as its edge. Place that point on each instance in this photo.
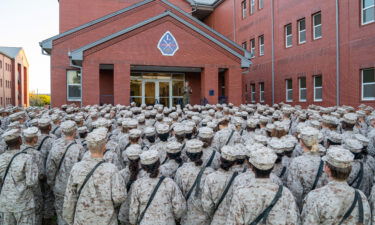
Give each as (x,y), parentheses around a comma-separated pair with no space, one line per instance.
(46,45)
(203,2)
(76,56)
(11,52)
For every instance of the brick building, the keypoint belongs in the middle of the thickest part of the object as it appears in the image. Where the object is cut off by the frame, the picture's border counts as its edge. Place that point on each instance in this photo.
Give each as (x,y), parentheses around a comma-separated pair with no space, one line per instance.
(14,77)
(303,52)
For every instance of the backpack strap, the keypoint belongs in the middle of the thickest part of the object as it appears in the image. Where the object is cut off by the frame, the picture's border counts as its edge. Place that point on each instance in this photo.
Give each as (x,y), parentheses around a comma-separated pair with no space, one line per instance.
(63,157)
(42,142)
(88,177)
(358,178)
(267,210)
(234,175)
(8,167)
(54,130)
(230,137)
(282,172)
(357,198)
(126,146)
(199,176)
(139,220)
(318,175)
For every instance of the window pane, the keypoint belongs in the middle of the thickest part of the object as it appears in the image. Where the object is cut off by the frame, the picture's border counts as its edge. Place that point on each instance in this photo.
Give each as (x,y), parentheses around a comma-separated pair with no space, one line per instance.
(368,15)
(318,81)
(303,94)
(289,84)
(74,91)
(73,77)
(261,86)
(318,93)
(369,91)
(178,76)
(368,76)
(318,31)
(367,3)
(178,88)
(302,24)
(288,29)
(290,95)
(289,40)
(137,100)
(135,88)
(317,19)
(302,37)
(302,82)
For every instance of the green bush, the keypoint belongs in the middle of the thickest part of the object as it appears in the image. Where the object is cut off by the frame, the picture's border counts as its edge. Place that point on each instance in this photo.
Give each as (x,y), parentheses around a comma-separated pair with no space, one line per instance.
(39,100)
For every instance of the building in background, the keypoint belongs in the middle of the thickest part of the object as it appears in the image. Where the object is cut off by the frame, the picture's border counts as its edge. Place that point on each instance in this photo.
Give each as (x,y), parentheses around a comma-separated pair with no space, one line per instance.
(14,77)
(302,52)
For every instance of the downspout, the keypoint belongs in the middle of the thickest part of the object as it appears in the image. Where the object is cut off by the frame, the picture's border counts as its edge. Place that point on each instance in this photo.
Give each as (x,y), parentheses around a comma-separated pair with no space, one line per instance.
(81,70)
(273,52)
(234,21)
(337,55)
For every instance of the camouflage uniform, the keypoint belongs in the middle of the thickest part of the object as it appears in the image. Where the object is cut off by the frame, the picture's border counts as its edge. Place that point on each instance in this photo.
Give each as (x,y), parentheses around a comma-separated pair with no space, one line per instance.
(222,136)
(250,201)
(167,206)
(169,168)
(109,157)
(327,205)
(58,178)
(366,182)
(104,191)
(207,152)
(17,198)
(185,177)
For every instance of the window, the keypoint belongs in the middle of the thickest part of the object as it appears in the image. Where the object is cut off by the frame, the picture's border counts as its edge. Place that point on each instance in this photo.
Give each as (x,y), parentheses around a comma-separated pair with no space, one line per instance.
(317,25)
(302,89)
(261,92)
(73,78)
(252,89)
(288,36)
(261,45)
(289,90)
(368,11)
(1,82)
(368,84)
(244,45)
(252,48)
(302,31)
(1,64)
(243,7)
(318,89)
(260,4)
(252,7)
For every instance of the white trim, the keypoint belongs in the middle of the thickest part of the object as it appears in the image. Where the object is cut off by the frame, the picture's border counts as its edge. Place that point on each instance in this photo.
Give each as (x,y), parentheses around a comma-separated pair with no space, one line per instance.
(243,7)
(363,84)
(73,99)
(287,90)
(260,4)
(362,13)
(252,48)
(301,89)
(252,7)
(161,39)
(261,92)
(316,26)
(261,46)
(287,36)
(315,88)
(301,31)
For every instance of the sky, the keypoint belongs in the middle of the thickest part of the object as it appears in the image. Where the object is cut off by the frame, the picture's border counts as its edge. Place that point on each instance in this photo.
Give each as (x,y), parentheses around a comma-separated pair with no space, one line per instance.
(24,23)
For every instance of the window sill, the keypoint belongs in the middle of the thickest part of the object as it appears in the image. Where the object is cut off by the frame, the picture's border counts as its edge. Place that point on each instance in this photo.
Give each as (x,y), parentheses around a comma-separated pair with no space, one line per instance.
(368,23)
(302,100)
(289,101)
(74,100)
(318,100)
(301,43)
(367,99)
(318,38)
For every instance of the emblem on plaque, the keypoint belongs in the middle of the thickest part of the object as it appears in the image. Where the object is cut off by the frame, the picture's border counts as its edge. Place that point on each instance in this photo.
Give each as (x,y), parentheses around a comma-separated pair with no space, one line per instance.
(168,45)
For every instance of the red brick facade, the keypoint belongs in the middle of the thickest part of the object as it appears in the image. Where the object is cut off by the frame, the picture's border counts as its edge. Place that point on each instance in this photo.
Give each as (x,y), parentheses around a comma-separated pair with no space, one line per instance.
(315,57)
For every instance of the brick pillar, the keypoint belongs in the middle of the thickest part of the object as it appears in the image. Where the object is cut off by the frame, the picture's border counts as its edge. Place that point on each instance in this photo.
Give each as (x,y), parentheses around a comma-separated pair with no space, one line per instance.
(210,82)
(233,85)
(90,84)
(121,80)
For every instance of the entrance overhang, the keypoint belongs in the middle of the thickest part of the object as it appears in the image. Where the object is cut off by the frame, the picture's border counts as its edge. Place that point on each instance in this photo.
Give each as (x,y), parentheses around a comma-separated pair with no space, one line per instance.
(166,69)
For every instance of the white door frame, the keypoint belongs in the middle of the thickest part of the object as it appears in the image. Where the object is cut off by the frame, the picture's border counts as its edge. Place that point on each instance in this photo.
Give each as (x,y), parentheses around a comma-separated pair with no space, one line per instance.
(157,97)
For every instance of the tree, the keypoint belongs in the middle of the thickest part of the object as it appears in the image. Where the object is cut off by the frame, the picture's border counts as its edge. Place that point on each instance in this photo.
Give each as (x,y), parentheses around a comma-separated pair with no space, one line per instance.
(39,100)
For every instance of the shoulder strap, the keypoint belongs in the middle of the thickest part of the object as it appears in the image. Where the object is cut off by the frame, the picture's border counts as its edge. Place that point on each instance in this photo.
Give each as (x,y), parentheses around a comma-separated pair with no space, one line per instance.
(230,137)
(88,177)
(199,176)
(318,175)
(357,198)
(126,146)
(358,178)
(54,130)
(234,175)
(150,200)
(267,210)
(8,167)
(42,142)
(282,172)
(63,157)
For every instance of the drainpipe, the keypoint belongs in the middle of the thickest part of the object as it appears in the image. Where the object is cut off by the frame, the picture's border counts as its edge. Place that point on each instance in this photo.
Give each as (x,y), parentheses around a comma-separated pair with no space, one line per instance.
(234,20)
(81,70)
(273,52)
(337,55)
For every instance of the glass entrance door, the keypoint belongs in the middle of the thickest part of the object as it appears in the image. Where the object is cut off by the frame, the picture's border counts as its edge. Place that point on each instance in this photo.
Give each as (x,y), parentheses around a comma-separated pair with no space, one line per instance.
(150,92)
(164,93)
(157,92)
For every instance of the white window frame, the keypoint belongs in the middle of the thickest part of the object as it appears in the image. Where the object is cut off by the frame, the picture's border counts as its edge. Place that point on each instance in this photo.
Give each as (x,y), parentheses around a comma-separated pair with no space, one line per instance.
(301,89)
(261,93)
(252,7)
(243,8)
(301,31)
(244,45)
(315,88)
(288,35)
(73,99)
(261,46)
(288,90)
(362,13)
(316,26)
(253,92)
(362,86)
(260,4)
(252,48)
